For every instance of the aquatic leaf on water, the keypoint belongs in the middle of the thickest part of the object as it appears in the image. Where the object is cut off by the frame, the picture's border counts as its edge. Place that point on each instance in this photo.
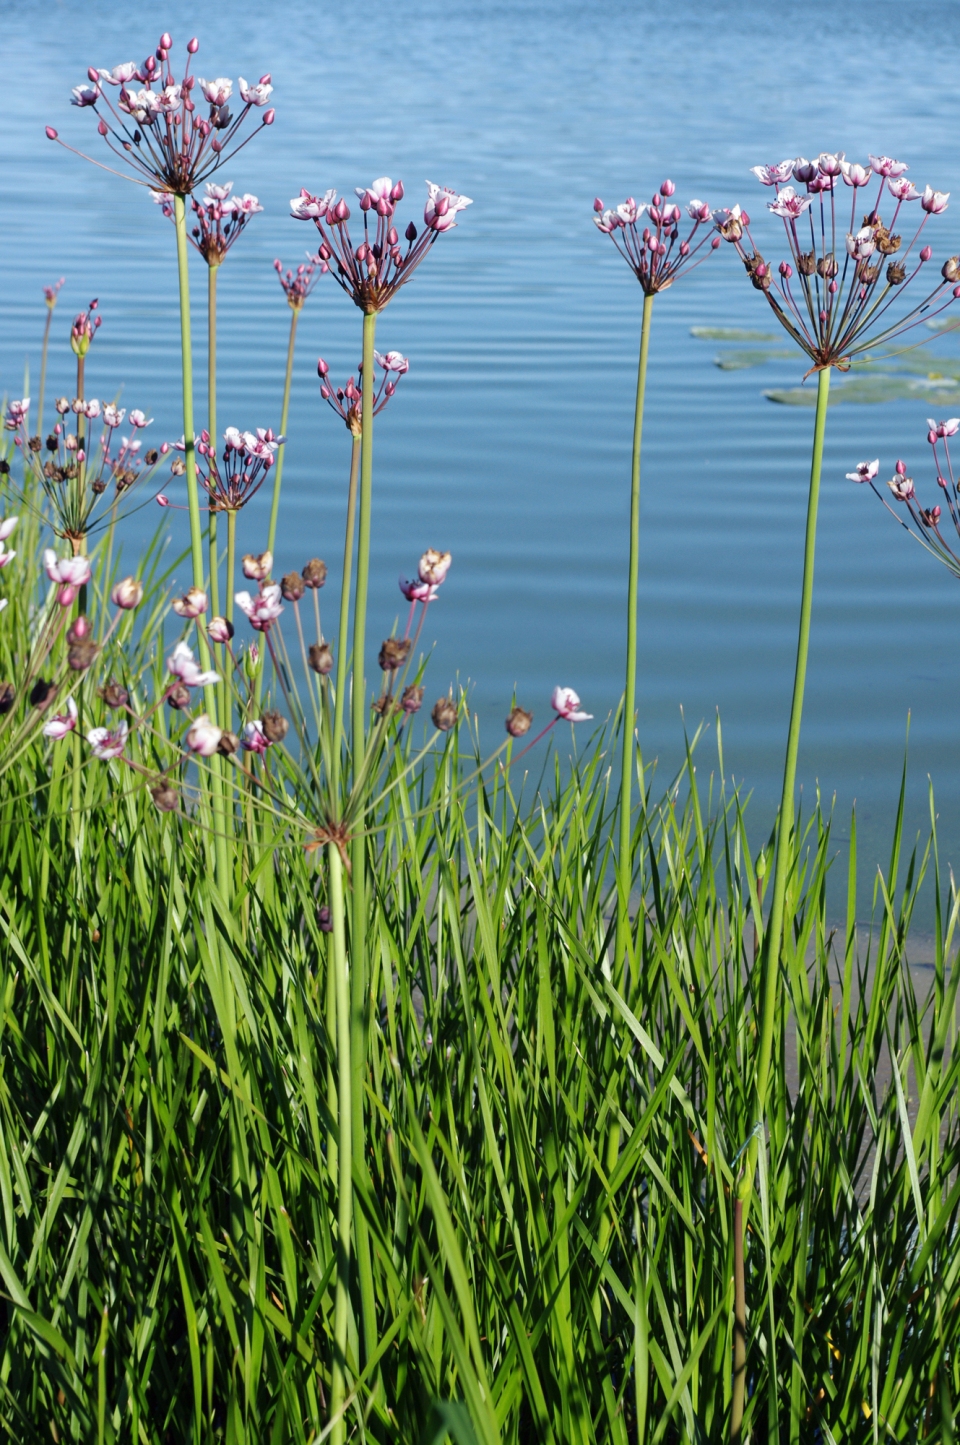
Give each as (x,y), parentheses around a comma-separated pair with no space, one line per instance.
(943,323)
(870,390)
(731,333)
(742,360)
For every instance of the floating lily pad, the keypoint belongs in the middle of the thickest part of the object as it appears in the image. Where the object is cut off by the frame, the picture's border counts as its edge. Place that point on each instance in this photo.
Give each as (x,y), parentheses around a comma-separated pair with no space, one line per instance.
(870,390)
(742,360)
(933,368)
(943,323)
(730,333)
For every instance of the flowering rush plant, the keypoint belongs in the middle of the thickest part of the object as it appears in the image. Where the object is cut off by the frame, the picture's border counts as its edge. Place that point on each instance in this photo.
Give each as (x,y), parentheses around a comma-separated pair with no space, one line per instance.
(347,401)
(232,480)
(657,254)
(372,271)
(220,216)
(926,520)
(836,292)
(173,134)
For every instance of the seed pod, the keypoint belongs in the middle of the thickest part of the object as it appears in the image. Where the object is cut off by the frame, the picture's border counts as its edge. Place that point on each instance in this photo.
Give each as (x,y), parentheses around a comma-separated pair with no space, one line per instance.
(292,586)
(394,653)
(165,796)
(229,742)
(8,696)
(518,722)
(896,273)
(42,694)
(315,573)
(324,920)
(412,699)
(114,695)
(178,696)
(81,654)
(274,726)
(444,714)
(320,658)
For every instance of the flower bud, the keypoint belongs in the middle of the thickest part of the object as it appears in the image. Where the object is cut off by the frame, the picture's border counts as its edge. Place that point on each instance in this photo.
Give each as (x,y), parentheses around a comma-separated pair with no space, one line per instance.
(8,696)
(323,368)
(394,653)
(412,699)
(42,694)
(228,744)
(668,188)
(193,45)
(178,696)
(274,726)
(519,720)
(314,573)
(66,595)
(257,568)
(203,736)
(114,695)
(292,586)
(320,658)
(220,629)
(165,797)
(127,594)
(444,714)
(51,133)
(926,253)
(166,41)
(191,604)
(324,921)
(78,629)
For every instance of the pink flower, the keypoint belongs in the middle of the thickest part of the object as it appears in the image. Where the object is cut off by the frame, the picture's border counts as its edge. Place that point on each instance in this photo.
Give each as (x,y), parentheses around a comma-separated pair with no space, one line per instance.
(127,594)
(729,222)
(902,487)
(72,571)
(182,665)
(380,196)
(567,703)
(789,204)
(884,166)
(773,175)
(903,190)
(257,568)
(62,723)
(254,738)
(854,174)
(219,629)
(257,94)
(113,415)
(947,428)
(141,105)
(17,413)
(607,222)
(246,205)
(311,208)
(108,743)
(804,171)
(442,206)
(698,211)
(417,591)
(629,211)
(192,604)
(216,92)
(84,95)
(7,526)
(203,736)
(262,610)
(120,74)
(863,244)
(866,471)
(392,361)
(934,202)
(830,165)
(434,566)
(139,419)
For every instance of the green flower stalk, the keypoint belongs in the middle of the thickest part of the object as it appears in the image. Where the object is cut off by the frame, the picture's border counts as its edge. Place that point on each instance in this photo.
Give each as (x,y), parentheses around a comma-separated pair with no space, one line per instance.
(50,294)
(656,255)
(297,286)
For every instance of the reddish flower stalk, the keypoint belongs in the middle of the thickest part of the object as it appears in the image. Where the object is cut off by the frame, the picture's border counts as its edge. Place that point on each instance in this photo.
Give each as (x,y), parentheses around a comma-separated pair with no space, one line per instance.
(155,127)
(220,218)
(347,401)
(297,285)
(835,308)
(656,255)
(926,520)
(372,272)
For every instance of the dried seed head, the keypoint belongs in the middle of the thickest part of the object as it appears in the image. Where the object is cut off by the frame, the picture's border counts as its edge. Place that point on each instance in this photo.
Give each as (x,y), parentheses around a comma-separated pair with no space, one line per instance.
(807,263)
(274,726)
(412,699)
(518,722)
(8,696)
(320,658)
(292,586)
(178,696)
(315,573)
(394,653)
(81,654)
(385,705)
(444,714)
(229,742)
(42,694)
(950,270)
(896,273)
(114,695)
(257,567)
(165,796)
(828,266)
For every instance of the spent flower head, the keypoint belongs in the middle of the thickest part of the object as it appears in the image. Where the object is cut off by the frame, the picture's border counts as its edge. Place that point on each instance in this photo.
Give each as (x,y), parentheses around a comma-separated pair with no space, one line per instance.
(372,271)
(656,254)
(836,293)
(172,134)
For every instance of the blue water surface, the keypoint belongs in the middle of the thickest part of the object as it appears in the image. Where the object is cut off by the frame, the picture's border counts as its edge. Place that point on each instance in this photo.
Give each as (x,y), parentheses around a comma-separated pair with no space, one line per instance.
(509,441)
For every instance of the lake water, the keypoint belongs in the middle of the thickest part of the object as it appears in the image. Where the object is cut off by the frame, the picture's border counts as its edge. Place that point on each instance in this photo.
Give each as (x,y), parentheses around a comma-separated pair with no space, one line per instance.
(508,443)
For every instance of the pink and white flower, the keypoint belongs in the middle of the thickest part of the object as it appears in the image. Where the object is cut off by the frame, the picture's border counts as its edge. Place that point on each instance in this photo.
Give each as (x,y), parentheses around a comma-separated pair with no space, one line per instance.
(855,174)
(127,594)
(108,743)
(220,629)
(17,413)
(805,171)
(216,92)
(62,723)
(902,488)
(254,739)
(120,74)
(168,100)
(212,191)
(418,591)
(866,471)
(392,361)
(141,105)
(257,94)
(182,665)
(306,207)
(91,409)
(246,205)
(698,211)
(262,610)
(774,175)
(84,95)
(885,166)
(629,211)
(863,244)
(903,190)
(434,566)
(193,603)
(113,415)
(934,202)
(258,567)
(830,165)
(442,206)
(789,204)
(69,571)
(139,419)
(948,428)
(203,736)
(566,703)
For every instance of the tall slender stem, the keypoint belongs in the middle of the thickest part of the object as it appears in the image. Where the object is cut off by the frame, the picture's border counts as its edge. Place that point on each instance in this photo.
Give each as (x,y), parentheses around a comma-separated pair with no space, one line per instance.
(228,601)
(43,370)
(345,1153)
(212,273)
(358,941)
(190,455)
(278,472)
(630,690)
(341,697)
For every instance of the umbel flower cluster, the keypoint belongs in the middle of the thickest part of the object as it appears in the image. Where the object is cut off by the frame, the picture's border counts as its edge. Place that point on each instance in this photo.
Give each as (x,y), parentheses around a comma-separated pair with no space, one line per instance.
(220,218)
(173,134)
(927,521)
(657,253)
(848,263)
(347,401)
